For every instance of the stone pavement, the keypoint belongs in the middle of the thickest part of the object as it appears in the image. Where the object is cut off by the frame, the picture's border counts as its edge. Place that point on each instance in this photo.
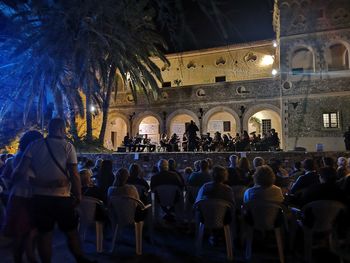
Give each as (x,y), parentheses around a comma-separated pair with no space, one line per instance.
(171,244)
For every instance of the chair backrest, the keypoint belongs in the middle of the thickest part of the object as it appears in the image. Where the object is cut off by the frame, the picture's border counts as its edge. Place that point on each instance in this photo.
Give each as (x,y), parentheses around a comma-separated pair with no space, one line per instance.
(238,192)
(264,215)
(324,214)
(87,209)
(122,209)
(213,211)
(167,194)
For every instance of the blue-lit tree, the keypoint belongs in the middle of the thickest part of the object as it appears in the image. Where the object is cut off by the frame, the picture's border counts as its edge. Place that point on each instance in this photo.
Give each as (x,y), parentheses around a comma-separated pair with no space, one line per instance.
(67,47)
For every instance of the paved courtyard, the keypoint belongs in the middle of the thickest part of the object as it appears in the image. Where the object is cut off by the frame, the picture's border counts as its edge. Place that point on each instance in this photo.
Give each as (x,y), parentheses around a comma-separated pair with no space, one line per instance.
(171,244)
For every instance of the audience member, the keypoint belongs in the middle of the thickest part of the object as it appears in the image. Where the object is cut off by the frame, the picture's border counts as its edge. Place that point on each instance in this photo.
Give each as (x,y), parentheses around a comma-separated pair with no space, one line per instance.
(121,188)
(328,162)
(235,175)
(17,222)
(342,169)
(309,178)
(197,179)
(172,168)
(187,173)
(105,177)
(257,162)
(297,171)
(164,176)
(51,158)
(88,188)
(216,189)
(325,190)
(264,188)
(197,165)
(136,178)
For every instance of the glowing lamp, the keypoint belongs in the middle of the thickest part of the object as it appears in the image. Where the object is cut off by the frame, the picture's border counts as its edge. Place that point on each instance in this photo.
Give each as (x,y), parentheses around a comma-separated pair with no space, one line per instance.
(267,60)
(274,43)
(274,72)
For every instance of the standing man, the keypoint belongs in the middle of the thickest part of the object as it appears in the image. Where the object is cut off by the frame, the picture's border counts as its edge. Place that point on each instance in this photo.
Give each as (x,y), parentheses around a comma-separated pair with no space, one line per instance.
(347,139)
(54,162)
(192,134)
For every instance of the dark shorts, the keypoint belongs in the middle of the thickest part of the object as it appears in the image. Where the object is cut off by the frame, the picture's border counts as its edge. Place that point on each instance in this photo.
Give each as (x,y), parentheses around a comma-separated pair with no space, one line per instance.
(46,211)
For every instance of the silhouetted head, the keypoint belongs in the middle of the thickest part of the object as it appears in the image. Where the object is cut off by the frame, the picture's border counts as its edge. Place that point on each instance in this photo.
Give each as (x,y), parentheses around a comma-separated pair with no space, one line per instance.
(57,127)
(264,176)
(27,138)
(220,174)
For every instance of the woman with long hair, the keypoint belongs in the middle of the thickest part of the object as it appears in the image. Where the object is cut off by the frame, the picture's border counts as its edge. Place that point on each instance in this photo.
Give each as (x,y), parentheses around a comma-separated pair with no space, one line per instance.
(105,177)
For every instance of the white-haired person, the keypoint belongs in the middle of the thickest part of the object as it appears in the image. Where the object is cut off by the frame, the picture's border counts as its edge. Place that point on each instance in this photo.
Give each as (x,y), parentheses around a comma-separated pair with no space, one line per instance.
(342,169)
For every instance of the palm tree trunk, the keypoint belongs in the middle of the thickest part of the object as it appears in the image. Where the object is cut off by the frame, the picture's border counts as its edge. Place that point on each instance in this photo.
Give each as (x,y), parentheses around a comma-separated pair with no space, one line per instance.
(73,125)
(105,105)
(88,113)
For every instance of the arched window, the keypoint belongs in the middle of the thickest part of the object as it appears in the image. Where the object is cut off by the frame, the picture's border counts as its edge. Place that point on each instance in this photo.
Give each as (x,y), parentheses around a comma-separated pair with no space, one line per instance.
(302,61)
(337,57)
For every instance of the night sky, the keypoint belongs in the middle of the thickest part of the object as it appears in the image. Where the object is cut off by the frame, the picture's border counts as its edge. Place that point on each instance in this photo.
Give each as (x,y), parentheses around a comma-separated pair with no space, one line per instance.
(239,21)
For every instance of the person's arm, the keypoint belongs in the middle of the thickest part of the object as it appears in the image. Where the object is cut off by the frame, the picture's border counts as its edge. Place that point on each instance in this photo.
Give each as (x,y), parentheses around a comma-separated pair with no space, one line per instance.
(75,181)
(296,186)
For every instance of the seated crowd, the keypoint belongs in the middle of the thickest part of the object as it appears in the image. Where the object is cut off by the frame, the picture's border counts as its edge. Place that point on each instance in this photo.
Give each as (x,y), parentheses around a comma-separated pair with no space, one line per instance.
(267,142)
(264,181)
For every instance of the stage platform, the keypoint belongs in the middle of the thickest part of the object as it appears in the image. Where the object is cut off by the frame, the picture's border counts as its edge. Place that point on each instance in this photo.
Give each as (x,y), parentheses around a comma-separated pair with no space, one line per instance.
(148,159)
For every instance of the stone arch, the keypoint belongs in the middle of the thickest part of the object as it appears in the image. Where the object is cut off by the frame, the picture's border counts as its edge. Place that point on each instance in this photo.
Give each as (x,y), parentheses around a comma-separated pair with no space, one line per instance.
(268,111)
(140,116)
(171,116)
(256,108)
(112,143)
(218,109)
(297,49)
(328,56)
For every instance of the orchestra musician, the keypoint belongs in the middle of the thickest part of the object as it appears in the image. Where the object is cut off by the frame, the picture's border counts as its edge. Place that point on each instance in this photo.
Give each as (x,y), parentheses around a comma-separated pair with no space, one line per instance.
(174,143)
(184,142)
(147,142)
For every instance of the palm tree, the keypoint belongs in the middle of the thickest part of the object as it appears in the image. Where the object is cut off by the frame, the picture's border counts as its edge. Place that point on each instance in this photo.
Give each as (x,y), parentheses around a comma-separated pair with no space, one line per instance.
(67,46)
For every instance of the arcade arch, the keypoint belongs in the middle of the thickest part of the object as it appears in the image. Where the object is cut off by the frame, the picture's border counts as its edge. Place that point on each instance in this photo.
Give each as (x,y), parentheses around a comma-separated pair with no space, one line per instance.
(303,61)
(222,119)
(176,121)
(149,125)
(263,119)
(116,130)
(337,57)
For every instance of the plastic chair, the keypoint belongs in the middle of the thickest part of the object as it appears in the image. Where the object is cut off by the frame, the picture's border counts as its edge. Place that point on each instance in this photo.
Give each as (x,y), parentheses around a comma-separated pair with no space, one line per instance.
(168,197)
(122,214)
(213,212)
(263,216)
(324,214)
(87,212)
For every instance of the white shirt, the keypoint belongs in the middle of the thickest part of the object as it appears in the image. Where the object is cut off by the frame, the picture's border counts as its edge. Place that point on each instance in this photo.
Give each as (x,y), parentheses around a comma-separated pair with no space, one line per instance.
(45,168)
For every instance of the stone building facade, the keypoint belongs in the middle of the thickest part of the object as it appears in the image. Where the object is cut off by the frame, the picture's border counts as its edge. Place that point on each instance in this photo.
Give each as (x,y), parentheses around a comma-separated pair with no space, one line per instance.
(232,88)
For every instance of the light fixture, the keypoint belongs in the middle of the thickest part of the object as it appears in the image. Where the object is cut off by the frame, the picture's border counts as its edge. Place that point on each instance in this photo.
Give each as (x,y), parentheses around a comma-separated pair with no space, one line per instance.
(274,72)
(267,60)
(92,108)
(274,43)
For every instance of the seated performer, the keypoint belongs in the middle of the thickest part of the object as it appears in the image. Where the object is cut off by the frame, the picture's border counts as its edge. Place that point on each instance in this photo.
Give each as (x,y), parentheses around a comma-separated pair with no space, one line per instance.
(147,142)
(174,143)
